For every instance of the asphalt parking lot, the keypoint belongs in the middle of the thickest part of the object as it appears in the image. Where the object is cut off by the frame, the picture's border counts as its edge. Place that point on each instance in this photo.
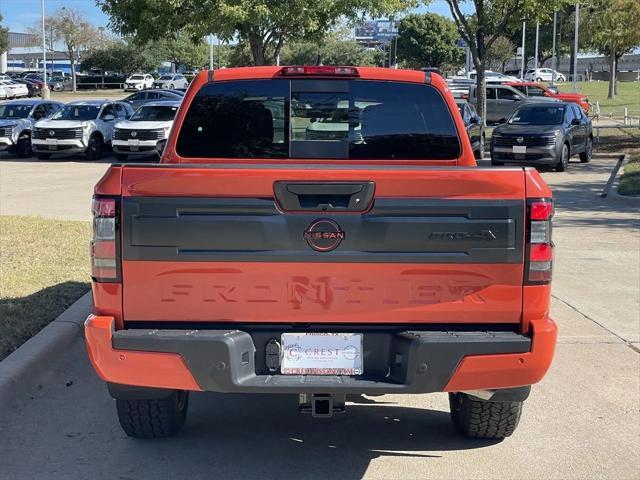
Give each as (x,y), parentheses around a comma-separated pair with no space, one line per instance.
(581,421)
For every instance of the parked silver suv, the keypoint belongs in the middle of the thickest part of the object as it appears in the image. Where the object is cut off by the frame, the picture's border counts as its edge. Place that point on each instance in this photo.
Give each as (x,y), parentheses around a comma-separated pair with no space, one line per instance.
(17,118)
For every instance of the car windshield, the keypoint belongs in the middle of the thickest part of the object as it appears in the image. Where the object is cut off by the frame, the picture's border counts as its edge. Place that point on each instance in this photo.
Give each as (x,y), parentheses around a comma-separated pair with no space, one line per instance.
(166,77)
(77,112)
(279,119)
(14,111)
(155,113)
(538,115)
(137,77)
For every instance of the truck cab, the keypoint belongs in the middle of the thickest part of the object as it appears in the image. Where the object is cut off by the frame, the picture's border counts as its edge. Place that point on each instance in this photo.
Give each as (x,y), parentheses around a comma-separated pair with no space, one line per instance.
(370,256)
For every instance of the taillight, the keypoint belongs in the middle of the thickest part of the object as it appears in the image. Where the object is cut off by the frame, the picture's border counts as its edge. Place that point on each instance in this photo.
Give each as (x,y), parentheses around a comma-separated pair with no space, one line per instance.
(539,251)
(104,246)
(320,70)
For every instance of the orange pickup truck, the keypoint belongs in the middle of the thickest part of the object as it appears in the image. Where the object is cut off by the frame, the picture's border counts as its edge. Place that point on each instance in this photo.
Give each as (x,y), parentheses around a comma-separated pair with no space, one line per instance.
(320,232)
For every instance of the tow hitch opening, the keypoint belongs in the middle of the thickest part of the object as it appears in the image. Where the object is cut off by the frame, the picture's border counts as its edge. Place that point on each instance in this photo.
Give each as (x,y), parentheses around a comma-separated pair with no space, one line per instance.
(321,405)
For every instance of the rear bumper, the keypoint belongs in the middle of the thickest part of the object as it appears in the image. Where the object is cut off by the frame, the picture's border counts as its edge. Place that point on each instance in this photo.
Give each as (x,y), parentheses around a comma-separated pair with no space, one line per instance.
(225,361)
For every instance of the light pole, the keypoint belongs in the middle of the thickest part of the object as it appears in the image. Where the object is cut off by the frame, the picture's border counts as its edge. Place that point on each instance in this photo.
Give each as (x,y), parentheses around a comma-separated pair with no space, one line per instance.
(44,92)
(211,51)
(554,64)
(524,27)
(575,49)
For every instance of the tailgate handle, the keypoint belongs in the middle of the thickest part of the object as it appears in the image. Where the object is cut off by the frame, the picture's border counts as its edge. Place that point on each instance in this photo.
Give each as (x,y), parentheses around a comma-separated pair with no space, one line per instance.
(324,197)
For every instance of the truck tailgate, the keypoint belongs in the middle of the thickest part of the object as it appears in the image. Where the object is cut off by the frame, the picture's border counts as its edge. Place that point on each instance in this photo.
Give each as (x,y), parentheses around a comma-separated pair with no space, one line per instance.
(217,244)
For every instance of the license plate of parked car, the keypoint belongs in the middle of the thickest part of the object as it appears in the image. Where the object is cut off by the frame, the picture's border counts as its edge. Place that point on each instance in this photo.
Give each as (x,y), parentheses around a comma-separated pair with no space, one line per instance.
(321,354)
(519,149)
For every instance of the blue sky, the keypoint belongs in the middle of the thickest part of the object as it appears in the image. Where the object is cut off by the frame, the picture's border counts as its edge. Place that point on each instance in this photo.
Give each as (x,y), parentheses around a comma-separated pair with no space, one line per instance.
(18,14)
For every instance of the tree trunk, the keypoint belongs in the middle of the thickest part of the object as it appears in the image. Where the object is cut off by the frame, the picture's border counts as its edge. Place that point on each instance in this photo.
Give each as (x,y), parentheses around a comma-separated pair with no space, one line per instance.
(612,74)
(479,63)
(256,46)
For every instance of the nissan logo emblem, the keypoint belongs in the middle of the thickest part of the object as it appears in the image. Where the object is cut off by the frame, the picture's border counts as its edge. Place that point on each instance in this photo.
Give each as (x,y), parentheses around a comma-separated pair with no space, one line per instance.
(52,133)
(323,235)
(134,133)
(520,139)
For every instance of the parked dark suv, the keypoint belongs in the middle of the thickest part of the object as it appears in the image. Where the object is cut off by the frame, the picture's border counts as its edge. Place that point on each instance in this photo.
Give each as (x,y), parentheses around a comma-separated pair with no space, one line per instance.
(543,134)
(473,124)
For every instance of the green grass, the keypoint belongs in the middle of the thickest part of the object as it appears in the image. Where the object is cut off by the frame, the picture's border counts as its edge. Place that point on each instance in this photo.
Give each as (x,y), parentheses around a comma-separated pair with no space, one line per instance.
(630,181)
(44,268)
(628,96)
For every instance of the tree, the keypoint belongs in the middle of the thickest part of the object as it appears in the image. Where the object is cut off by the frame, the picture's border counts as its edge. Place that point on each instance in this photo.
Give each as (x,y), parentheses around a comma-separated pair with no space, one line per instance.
(123,57)
(428,40)
(612,29)
(4,37)
(263,25)
(500,52)
(75,33)
(184,51)
(337,48)
(490,19)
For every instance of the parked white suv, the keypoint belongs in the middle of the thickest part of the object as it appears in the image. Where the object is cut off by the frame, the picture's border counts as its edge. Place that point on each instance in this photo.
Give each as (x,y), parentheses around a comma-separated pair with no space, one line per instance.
(79,127)
(171,80)
(139,81)
(544,75)
(14,89)
(17,118)
(146,131)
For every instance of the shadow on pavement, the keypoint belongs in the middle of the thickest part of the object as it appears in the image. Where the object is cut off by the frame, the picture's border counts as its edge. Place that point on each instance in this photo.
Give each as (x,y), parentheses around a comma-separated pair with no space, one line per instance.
(263,436)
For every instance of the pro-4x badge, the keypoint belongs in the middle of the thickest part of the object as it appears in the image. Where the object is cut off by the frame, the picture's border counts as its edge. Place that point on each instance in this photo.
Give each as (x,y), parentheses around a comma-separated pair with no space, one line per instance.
(324,235)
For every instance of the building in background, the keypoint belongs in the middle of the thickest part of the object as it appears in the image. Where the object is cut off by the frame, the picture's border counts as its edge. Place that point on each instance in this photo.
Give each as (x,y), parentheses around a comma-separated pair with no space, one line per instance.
(25,53)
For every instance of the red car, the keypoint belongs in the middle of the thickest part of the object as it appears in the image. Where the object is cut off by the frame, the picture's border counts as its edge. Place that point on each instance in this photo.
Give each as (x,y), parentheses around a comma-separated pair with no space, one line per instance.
(534,89)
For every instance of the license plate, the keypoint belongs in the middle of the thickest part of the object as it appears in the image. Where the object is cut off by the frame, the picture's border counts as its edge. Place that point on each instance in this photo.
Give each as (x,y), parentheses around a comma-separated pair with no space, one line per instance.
(134,142)
(519,149)
(53,147)
(321,354)
(134,148)
(51,141)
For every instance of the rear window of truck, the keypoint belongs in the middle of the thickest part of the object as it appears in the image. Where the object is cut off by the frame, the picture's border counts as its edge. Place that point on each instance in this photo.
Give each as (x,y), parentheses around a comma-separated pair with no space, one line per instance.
(352,119)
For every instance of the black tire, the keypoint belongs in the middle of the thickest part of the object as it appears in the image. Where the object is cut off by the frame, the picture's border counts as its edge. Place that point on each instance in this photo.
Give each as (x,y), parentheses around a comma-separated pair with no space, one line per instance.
(479,153)
(23,148)
(563,160)
(171,86)
(585,157)
(481,419)
(94,149)
(43,156)
(121,157)
(155,418)
(539,80)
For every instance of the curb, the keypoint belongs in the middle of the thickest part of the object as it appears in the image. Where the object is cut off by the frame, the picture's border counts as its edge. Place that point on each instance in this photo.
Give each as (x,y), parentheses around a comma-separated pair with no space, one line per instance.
(26,367)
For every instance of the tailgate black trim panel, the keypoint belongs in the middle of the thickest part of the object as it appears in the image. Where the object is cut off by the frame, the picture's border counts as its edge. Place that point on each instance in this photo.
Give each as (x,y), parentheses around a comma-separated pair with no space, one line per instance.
(395,230)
